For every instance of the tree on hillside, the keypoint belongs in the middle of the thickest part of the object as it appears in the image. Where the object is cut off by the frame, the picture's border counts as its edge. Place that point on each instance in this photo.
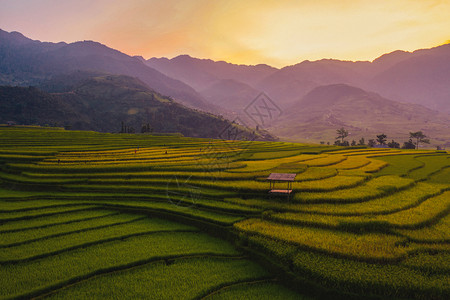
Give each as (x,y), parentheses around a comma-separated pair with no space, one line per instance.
(146,128)
(362,141)
(381,139)
(420,138)
(393,144)
(342,134)
(371,143)
(353,143)
(339,143)
(409,145)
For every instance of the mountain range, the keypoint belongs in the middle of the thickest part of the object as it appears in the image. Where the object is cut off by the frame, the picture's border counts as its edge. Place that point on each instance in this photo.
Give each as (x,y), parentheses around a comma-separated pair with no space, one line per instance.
(27,62)
(396,93)
(420,77)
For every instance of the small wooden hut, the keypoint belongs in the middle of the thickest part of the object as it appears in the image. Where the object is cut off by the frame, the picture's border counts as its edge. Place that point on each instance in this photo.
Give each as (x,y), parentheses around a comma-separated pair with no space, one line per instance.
(278,178)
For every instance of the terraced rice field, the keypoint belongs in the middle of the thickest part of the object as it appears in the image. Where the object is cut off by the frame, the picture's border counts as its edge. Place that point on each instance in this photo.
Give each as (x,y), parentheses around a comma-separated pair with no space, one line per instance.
(89,215)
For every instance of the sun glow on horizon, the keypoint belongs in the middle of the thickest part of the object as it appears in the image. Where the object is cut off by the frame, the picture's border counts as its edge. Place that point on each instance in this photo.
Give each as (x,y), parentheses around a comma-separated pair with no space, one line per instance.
(277,33)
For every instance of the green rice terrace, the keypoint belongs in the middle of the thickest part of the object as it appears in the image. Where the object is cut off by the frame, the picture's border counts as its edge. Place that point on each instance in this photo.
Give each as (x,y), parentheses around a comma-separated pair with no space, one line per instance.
(91,215)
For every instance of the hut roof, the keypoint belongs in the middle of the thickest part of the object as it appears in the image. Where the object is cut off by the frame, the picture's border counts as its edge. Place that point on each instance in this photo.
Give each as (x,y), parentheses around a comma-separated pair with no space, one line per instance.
(282,176)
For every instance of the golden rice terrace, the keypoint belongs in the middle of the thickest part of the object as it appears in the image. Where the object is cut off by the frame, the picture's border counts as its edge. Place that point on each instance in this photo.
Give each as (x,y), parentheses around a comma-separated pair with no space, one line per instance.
(85,214)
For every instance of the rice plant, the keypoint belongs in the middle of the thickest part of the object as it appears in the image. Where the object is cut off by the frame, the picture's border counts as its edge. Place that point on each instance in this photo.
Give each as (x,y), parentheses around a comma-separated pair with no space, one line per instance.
(182,278)
(369,246)
(59,270)
(373,188)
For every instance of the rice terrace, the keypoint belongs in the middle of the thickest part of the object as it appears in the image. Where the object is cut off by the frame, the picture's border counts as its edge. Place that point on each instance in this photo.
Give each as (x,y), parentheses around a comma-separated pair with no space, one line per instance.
(95,215)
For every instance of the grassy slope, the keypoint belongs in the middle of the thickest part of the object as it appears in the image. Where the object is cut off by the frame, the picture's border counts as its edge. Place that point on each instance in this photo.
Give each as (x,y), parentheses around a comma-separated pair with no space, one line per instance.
(362,211)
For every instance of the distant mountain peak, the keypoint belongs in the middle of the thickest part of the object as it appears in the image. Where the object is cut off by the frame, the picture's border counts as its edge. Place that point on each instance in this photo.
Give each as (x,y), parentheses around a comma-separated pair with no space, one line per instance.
(14,37)
(328,95)
(202,73)
(91,45)
(389,59)
(140,58)
(184,56)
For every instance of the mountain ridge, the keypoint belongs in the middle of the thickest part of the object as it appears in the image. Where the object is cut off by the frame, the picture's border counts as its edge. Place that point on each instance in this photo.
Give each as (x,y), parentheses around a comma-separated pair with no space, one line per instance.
(213,70)
(290,83)
(31,62)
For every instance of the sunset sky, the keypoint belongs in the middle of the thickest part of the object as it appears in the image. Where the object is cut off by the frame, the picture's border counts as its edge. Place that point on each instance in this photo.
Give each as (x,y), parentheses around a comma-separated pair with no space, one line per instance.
(278,33)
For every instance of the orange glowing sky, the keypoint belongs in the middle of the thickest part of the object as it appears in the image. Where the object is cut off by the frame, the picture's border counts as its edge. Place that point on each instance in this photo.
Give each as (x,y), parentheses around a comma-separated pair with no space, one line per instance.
(278,33)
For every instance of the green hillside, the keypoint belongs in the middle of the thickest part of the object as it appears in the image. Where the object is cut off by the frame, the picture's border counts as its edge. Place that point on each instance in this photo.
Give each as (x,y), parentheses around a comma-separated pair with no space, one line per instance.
(110,103)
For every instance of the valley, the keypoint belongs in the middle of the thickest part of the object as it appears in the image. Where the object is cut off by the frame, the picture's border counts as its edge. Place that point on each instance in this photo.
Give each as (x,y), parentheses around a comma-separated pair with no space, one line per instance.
(405,91)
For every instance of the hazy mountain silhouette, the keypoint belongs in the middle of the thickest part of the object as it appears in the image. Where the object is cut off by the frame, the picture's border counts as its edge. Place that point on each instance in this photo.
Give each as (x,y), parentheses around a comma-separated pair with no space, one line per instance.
(228,86)
(422,77)
(231,94)
(388,60)
(28,62)
(289,84)
(319,113)
(202,73)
